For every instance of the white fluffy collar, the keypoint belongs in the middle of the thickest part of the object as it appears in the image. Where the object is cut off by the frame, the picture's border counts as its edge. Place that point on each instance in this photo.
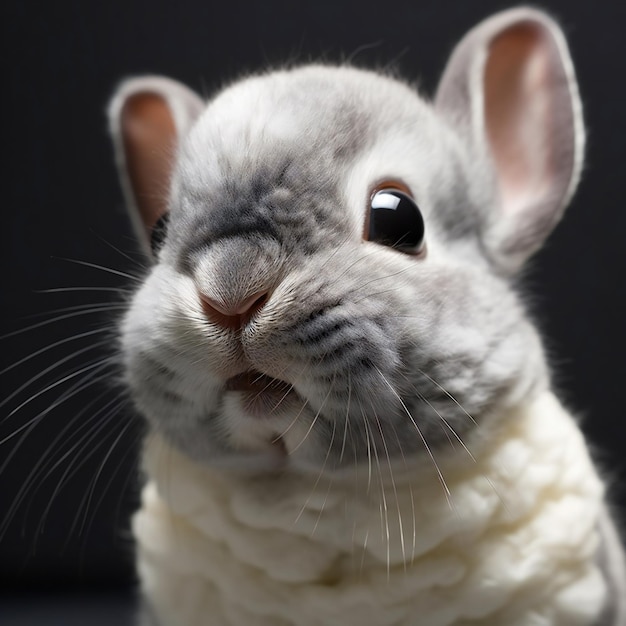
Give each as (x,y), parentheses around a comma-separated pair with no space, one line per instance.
(511,541)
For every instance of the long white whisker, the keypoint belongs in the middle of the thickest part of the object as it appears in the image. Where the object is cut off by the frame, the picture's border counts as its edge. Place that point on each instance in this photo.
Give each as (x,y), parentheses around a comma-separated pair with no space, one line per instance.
(58,319)
(308,432)
(448,394)
(43,462)
(101,267)
(395,492)
(291,424)
(92,307)
(98,364)
(51,346)
(445,421)
(330,483)
(349,267)
(379,278)
(426,446)
(136,262)
(93,432)
(71,289)
(345,428)
(108,484)
(94,482)
(369,445)
(441,417)
(367,534)
(30,425)
(84,441)
(43,373)
(321,472)
(384,507)
(406,466)
(295,419)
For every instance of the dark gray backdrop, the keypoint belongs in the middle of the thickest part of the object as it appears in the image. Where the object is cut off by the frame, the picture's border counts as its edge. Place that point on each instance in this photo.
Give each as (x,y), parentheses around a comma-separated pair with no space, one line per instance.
(68,475)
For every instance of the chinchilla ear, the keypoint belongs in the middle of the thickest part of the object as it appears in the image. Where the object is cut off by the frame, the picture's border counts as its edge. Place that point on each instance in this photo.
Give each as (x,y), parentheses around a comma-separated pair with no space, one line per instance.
(510,90)
(148,116)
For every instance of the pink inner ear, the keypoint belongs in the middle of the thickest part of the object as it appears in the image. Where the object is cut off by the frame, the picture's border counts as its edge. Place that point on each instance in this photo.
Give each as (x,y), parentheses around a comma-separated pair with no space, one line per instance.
(519,114)
(149,136)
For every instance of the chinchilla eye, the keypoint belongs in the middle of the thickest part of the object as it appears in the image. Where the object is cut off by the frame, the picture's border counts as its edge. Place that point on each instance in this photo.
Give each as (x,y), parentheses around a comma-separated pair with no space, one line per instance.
(159,230)
(395,220)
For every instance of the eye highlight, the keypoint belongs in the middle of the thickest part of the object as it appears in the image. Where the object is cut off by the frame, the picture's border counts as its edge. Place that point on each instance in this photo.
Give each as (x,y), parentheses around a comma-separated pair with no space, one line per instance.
(394,219)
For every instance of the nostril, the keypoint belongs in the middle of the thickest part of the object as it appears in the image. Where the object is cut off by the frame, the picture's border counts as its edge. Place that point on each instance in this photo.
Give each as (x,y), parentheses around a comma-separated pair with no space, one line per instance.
(233,314)
(252,304)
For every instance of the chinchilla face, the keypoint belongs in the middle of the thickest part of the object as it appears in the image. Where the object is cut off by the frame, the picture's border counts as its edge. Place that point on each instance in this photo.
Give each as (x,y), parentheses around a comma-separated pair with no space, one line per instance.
(334,280)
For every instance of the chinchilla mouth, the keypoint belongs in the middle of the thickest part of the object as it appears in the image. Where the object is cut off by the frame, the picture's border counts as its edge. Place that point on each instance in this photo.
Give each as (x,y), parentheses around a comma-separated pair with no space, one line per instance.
(255,381)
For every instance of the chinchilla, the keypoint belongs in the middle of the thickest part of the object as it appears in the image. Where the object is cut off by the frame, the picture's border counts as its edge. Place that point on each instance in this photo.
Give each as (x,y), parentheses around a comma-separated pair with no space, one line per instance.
(350,412)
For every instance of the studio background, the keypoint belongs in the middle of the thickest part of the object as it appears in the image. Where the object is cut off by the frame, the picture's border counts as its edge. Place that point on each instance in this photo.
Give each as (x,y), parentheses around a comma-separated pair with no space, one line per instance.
(68,473)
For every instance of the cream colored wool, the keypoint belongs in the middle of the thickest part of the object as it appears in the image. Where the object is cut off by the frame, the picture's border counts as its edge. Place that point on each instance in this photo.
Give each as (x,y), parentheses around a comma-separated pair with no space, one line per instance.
(511,544)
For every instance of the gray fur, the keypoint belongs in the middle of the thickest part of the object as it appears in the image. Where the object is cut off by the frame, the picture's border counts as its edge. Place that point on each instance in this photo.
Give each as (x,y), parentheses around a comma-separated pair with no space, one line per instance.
(363,321)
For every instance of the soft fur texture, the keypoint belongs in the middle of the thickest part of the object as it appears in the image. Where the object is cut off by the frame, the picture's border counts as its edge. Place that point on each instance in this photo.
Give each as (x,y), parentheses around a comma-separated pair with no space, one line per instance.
(284,362)
(512,543)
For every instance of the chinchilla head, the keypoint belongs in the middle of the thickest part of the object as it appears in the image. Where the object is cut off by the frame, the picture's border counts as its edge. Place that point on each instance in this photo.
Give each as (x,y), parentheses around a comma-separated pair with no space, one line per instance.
(333,281)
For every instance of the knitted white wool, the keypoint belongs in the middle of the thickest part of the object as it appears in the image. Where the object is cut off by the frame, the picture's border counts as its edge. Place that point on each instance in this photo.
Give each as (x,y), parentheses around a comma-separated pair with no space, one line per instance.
(511,544)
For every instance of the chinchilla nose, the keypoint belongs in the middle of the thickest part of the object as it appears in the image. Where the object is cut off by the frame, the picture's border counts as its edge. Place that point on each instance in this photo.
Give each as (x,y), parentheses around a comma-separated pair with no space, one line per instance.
(234,279)
(235,313)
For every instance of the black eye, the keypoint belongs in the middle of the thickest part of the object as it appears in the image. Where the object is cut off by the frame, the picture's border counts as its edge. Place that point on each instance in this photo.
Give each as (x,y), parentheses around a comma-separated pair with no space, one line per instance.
(157,236)
(396,221)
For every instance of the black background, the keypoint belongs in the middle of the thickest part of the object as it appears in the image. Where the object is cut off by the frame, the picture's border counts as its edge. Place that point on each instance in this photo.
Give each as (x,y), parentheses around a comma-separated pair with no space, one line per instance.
(61,206)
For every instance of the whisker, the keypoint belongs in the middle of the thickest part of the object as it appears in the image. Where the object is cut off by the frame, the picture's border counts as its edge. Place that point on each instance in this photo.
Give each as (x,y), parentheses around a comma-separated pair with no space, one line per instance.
(448,394)
(95,430)
(379,278)
(70,471)
(51,346)
(61,317)
(367,534)
(395,491)
(338,249)
(95,479)
(314,420)
(345,428)
(134,261)
(101,364)
(131,448)
(43,463)
(445,421)
(406,467)
(362,257)
(39,375)
(81,289)
(421,435)
(268,386)
(423,398)
(295,419)
(130,476)
(378,293)
(94,306)
(456,435)
(319,476)
(275,407)
(384,498)
(75,389)
(110,270)
(369,451)
(330,483)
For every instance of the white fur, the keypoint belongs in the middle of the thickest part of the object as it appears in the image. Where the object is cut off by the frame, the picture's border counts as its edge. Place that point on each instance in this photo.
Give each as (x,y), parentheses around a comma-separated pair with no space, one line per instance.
(499,550)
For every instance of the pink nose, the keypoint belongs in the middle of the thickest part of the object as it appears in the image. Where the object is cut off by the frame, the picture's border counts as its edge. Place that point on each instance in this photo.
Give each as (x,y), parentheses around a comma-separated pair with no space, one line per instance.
(233,315)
